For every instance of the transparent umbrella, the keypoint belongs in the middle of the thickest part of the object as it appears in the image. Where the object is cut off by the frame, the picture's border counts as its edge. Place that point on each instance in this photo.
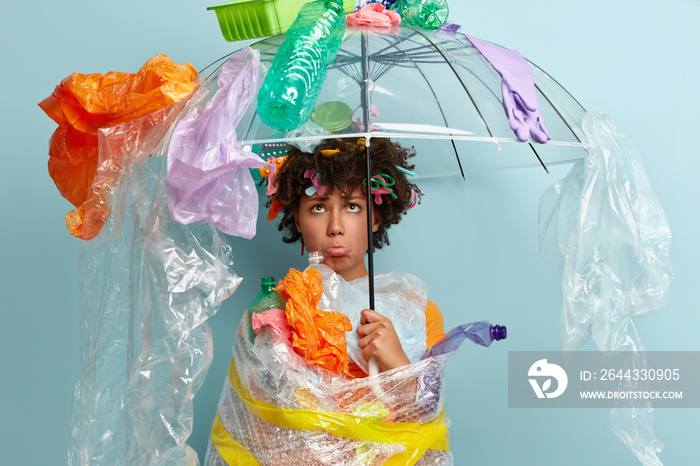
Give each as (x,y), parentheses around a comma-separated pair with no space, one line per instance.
(432,90)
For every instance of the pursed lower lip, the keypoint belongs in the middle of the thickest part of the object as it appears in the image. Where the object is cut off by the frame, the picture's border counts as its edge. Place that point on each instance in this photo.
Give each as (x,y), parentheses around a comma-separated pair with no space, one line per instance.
(337,251)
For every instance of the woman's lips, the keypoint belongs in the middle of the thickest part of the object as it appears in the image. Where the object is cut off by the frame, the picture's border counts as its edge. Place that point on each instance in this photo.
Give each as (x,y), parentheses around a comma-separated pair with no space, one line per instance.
(337,251)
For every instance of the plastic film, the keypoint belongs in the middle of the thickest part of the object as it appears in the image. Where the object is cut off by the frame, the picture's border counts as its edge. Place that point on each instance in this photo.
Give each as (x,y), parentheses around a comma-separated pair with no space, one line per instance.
(208,172)
(275,409)
(132,108)
(605,235)
(402,297)
(147,285)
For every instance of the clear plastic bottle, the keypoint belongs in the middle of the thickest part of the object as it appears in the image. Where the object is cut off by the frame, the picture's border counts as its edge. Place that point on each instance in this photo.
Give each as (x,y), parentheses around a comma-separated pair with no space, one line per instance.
(482,333)
(315,258)
(425,14)
(267,299)
(290,89)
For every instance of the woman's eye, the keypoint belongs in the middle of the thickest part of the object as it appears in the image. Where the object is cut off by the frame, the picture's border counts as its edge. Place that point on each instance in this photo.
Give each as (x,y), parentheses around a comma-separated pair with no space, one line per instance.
(353,207)
(317,208)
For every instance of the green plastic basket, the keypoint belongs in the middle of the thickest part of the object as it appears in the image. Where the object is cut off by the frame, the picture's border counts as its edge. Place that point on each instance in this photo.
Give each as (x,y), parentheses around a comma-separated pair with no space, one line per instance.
(251,19)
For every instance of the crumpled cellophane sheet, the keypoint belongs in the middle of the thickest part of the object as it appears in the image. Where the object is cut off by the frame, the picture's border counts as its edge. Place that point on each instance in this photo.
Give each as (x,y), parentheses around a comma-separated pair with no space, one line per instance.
(147,285)
(277,410)
(83,165)
(208,172)
(604,233)
(318,336)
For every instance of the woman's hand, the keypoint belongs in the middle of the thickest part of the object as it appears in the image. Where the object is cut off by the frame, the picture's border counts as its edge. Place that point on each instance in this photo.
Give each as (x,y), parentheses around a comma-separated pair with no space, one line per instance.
(378,338)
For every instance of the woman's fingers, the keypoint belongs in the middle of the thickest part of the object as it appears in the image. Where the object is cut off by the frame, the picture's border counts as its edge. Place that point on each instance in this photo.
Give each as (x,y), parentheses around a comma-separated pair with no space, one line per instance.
(378,338)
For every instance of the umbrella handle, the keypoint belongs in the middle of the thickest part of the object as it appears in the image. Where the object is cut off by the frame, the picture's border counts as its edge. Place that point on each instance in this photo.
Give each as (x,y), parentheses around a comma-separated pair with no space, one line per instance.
(373,366)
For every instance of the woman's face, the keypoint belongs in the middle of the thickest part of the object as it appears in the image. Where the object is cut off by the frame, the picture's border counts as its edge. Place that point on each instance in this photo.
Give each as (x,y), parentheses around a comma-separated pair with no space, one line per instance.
(336,225)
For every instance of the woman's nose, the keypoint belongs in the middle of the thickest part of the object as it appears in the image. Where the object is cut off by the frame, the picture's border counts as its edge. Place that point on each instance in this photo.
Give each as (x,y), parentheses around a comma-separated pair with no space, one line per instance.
(335,225)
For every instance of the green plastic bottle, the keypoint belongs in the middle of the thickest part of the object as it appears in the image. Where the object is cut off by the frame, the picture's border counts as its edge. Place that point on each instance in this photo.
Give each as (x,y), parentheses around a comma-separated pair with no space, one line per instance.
(292,85)
(425,14)
(267,299)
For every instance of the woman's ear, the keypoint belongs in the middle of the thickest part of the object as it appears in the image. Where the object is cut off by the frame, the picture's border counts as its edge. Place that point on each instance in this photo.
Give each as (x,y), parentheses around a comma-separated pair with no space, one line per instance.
(296,222)
(376,221)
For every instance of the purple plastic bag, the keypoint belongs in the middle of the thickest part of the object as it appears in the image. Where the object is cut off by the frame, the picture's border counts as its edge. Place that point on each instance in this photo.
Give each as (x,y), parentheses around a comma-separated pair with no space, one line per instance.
(208,173)
(518,89)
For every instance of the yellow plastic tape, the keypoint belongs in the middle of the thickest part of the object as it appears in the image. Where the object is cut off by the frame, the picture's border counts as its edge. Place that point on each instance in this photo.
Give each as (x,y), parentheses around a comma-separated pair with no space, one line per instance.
(414,436)
(230,450)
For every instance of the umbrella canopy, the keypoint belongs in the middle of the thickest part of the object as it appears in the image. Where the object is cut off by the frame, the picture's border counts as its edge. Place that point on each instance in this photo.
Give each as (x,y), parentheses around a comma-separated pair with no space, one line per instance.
(434,91)
(430,90)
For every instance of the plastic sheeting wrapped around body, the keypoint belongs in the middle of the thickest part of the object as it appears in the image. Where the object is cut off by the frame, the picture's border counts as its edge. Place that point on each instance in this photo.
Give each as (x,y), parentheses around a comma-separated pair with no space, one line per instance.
(278,407)
(275,410)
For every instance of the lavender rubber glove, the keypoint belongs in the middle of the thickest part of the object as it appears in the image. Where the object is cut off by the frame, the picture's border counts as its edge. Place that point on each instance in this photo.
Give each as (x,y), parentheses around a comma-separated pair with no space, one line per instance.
(518,89)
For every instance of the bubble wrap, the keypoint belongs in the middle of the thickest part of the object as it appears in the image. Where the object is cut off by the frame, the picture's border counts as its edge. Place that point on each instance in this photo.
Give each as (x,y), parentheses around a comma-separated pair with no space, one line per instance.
(272,373)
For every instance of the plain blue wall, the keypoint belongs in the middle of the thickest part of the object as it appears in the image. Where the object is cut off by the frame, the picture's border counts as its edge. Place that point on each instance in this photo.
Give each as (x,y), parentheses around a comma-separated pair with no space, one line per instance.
(637,60)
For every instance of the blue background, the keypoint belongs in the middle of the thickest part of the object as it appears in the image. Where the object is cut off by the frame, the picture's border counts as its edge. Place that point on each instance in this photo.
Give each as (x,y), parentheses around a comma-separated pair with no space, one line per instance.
(474,243)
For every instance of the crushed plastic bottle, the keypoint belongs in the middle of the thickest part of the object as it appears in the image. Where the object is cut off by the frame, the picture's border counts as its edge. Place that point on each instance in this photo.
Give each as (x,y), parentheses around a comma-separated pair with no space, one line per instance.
(267,299)
(290,89)
(482,333)
(425,14)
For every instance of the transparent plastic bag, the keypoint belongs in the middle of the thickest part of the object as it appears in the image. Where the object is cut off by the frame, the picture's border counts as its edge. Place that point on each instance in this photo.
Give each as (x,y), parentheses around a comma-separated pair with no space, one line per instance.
(604,234)
(208,171)
(402,297)
(104,121)
(147,285)
(275,409)
(603,231)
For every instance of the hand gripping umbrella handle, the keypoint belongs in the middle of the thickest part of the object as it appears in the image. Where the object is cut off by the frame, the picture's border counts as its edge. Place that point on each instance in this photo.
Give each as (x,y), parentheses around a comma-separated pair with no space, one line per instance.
(373,366)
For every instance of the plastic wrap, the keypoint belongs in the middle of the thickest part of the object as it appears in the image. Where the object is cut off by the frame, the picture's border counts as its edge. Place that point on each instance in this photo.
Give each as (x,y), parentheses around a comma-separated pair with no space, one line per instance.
(85,166)
(147,285)
(208,172)
(277,410)
(605,235)
(401,297)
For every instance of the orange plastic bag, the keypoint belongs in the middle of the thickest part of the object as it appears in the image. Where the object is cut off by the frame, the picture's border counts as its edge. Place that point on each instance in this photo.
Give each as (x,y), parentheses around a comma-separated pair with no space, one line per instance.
(318,336)
(82,105)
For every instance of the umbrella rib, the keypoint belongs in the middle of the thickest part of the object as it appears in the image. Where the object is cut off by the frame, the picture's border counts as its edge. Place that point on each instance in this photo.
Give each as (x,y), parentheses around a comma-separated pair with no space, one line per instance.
(558,113)
(538,157)
(464,86)
(444,119)
(560,86)
(214,62)
(437,101)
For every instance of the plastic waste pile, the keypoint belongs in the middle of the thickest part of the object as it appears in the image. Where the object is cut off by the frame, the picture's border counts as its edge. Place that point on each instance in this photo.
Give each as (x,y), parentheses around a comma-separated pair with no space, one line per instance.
(289,398)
